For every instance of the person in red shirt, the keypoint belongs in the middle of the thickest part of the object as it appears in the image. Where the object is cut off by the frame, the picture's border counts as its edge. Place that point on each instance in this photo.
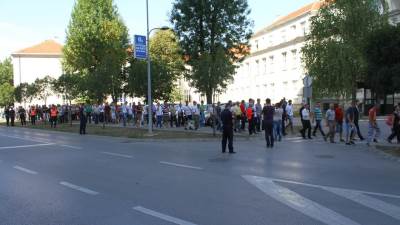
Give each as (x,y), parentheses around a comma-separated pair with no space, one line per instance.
(243,109)
(339,121)
(53,116)
(250,117)
(373,128)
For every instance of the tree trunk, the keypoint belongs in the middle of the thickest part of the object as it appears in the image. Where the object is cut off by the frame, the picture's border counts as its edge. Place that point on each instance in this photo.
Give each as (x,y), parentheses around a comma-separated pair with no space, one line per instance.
(209,96)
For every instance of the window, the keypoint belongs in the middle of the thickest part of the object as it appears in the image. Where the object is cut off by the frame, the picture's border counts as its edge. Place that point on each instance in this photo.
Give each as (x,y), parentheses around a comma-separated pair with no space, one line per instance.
(257,67)
(271,63)
(264,65)
(256,44)
(303,27)
(284,60)
(294,58)
(293,30)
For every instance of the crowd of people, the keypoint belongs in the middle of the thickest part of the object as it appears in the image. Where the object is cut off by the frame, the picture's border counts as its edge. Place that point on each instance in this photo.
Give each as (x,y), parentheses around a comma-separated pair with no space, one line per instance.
(252,116)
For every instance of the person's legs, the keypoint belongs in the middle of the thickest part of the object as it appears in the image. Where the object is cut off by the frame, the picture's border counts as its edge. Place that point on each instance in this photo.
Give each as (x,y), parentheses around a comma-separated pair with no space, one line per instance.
(224,139)
(320,128)
(12,121)
(8,121)
(271,136)
(370,132)
(358,130)
(308,127)
(279,131)
(267,136)
(230,140)
(196,121)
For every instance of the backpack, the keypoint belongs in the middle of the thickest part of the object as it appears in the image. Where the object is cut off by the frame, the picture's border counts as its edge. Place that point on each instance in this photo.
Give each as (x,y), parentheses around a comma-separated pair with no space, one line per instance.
(389,120)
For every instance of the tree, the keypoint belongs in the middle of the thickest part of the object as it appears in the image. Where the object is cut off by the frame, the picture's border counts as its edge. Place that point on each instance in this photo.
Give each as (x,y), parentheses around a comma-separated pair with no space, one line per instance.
(43,88)
(212,33)
(333,53)
(382,53)
(167,65)
(6,83)
(21,93)
(96,48)
(67,85)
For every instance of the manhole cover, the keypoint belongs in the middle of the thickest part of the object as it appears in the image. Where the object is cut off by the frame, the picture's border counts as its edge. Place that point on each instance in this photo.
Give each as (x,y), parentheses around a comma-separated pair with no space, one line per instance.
(325,156)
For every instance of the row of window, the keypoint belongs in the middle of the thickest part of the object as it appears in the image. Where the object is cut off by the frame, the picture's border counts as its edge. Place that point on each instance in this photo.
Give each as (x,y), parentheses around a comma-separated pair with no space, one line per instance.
(268,65)
(283,36)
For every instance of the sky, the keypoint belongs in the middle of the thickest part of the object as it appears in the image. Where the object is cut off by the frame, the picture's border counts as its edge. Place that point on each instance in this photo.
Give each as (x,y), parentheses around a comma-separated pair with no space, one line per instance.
(24,23)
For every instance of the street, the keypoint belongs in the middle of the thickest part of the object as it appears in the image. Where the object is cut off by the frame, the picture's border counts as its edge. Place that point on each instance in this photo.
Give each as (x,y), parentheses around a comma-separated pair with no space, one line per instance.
(57,178)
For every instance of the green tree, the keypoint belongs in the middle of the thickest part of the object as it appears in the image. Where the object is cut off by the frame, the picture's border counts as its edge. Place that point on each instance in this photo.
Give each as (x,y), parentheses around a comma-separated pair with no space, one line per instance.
(214,35)
(382,52)
(43,88)
(167,65)
(333,53)
(96,48)
(21,93)
(6,83)
(67,85)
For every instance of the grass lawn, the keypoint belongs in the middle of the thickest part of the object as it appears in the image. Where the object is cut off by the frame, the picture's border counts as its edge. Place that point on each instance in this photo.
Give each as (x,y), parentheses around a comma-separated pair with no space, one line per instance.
(124,132)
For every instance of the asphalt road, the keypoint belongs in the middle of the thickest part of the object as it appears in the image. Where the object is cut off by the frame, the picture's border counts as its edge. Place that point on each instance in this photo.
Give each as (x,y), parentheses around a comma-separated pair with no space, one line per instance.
(57,178)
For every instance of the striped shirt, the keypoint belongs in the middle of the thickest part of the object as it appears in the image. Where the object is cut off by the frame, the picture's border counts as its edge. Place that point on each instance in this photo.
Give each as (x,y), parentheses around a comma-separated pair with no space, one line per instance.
(318,114)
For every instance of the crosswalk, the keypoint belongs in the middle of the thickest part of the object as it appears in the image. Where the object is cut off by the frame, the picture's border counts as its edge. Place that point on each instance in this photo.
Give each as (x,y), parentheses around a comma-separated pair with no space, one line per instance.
(272,188)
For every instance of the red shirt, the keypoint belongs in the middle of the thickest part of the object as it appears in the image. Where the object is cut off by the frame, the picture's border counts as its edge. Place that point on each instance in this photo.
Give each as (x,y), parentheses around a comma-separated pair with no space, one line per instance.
(249,113)
(242,108)
(372,115)
(339,114)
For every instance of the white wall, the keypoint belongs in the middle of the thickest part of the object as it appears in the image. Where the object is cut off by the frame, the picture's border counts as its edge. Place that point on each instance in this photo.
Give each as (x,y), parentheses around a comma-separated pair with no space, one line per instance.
(28,69)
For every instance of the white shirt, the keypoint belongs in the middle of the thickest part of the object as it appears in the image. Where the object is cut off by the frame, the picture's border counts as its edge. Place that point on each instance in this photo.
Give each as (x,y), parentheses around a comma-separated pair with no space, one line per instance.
(187,110)
(289,110)
(195,110)
(306,114)
(159,111)
(278,114)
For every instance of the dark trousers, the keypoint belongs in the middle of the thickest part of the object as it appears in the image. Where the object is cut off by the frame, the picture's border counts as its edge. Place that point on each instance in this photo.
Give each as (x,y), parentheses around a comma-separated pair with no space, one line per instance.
(283,126)
(258,123)
(180,121)
(243,125)
(172,120)
(8,120)
(306,127)
(395,133)
(53,121)
(227,136)
(12,120)
(89,116)
(82,126)
(33,120)
(252,127)
(318,126)
(23,120)
(358,130)
(269,136)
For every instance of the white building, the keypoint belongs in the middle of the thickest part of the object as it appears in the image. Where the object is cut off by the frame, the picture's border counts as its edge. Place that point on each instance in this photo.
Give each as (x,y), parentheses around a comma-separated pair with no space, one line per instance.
(274,69)
(38,61)
(394,11)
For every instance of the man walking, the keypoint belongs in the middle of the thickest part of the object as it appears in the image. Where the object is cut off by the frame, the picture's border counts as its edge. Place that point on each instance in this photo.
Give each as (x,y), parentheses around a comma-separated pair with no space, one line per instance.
(318,120)
(373,128)
(22,115)
(350,127)
(268,117)
(305,113)
(12,115)
(356,118)
(7,114)
(396,125)
(82,120)
(330,120)
(339,121)
(258,115)
(227,129)
(53,116)
(289,113)
(196,115)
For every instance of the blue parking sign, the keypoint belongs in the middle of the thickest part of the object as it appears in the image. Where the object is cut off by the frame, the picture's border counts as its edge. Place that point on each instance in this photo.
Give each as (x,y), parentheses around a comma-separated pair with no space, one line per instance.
(140,47)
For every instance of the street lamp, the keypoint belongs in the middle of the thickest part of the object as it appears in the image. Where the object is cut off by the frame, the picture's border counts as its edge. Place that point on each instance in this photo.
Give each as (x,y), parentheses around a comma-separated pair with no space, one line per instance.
(149,102)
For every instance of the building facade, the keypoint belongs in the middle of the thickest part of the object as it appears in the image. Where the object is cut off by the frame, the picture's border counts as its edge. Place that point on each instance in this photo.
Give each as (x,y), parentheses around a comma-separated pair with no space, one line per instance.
(274,69)
(394,11)
(36,62)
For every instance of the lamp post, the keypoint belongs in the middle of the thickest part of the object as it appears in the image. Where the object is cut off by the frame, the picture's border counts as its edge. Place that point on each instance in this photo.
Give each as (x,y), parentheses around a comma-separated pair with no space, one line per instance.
(149,100)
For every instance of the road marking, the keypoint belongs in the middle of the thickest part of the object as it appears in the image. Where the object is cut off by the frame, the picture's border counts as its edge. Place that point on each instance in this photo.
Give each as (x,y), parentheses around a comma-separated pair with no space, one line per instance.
(117,154)
(298,141)
(26,146)
(162,216)
(293,138)
(73,147)
(323,187)
(25,170)
(370,202)
(298,202)
(22,138)
(181,165)
(79,188)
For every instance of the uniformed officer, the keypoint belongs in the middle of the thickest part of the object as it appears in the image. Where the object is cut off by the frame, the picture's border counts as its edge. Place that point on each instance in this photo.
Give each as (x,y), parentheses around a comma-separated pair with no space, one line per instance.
(12,115)
(7,114)
(82,120)
(227,128)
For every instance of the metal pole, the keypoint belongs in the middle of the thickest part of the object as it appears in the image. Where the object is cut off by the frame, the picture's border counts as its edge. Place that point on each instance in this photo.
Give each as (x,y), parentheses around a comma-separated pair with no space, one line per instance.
(149,102)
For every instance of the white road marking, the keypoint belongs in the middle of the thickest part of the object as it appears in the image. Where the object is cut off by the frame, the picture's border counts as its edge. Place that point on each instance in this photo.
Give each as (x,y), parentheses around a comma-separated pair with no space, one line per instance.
(22,138)
(162,216)
(26,146)
(25,170)
(293,138)
(298,141)
(370,202)
(323,187)
(117,154)
(73,147)
(79,188)
(181,165)
(298,202)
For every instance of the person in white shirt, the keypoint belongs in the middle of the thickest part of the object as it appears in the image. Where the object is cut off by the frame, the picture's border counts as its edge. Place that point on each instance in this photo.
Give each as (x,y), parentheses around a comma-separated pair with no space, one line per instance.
(330,120)
(289,112)
(306,122)
(277,123)
(188,114)
(159,114)
(196,115)
(124,111)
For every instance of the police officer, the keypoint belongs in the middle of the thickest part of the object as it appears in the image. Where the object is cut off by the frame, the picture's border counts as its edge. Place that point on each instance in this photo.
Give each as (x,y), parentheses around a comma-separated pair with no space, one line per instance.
(7,114)
(227,129)
(22,115)
(12,115)
(82,120)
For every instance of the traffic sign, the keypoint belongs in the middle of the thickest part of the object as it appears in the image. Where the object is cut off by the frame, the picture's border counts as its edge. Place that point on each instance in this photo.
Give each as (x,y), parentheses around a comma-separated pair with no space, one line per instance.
(140,47)
(307,81)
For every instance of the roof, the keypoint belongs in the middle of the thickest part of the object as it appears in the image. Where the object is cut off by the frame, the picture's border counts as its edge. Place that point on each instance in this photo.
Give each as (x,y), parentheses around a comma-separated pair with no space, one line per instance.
(46,48)
(296,14)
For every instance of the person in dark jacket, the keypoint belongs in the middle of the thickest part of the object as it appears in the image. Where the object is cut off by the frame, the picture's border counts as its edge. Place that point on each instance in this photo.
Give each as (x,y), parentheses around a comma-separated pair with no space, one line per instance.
(227,129)
(12,115)
(356,118)
(268,118)
(396,126)
(82,120)
(7,115)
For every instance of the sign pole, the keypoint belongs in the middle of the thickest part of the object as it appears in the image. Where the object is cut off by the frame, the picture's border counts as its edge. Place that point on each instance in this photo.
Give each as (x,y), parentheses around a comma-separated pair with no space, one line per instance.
(149,102)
